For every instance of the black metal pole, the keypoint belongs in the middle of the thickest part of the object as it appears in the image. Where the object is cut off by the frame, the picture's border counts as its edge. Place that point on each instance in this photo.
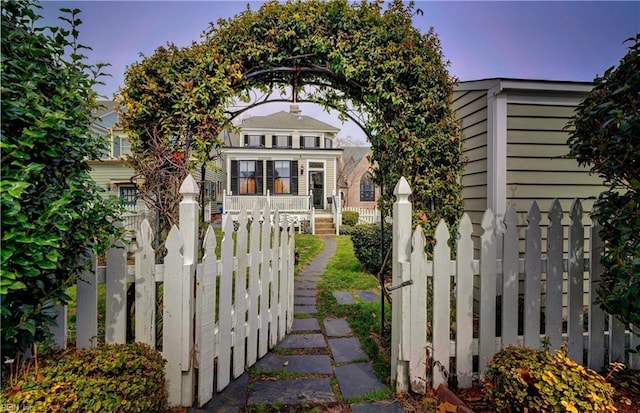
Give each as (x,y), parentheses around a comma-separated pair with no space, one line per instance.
(382,266)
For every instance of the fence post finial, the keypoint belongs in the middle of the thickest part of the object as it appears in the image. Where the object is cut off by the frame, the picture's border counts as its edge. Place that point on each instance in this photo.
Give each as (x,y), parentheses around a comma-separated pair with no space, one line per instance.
(402,189)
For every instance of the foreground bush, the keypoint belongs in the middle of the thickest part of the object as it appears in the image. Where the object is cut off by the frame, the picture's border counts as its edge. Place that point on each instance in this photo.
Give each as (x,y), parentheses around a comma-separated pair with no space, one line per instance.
(521,379)
(113,378)
(366,246)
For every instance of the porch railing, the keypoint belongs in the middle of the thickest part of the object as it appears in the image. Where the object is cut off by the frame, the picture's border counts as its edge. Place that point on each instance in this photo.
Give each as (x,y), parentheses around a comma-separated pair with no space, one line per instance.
(284,203)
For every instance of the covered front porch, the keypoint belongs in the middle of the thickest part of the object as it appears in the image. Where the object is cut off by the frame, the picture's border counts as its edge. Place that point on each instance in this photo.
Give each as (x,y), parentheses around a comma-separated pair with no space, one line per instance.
(296,209)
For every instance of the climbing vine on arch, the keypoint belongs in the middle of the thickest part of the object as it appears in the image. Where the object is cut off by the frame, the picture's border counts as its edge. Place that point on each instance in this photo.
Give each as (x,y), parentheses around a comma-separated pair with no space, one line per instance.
(361,56)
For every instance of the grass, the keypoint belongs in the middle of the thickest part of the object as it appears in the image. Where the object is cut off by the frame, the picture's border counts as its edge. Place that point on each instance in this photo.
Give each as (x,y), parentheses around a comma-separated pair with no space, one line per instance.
(307,247)
(71,314)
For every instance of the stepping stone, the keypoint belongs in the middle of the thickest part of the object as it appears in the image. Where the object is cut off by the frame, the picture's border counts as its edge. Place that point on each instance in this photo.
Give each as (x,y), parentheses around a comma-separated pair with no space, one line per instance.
(344,297)
(303,341)
(291,391)
(305,284)
(304,293)
(337,327)
(357,379)
(305,324)
(312,364)
(304,300)
(230,400)
(368,296)
(304,309)
(346,349)
(310,278)
(382,406)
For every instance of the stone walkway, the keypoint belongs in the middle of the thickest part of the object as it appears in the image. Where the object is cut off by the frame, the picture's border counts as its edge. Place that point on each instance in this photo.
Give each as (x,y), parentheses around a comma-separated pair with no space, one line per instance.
(305,365)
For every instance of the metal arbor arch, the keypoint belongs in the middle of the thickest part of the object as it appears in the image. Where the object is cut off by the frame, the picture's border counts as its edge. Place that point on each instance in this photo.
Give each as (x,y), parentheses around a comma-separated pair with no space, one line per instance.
(357,58)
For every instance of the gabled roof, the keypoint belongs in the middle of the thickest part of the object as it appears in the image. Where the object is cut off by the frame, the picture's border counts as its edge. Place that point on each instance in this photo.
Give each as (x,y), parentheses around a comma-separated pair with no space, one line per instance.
(106,107)
(501,83)
(282,120)
(351,156)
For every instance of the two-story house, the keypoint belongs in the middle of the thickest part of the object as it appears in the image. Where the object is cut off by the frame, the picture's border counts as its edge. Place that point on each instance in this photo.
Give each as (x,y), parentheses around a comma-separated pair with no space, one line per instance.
(112,172)
(286,159)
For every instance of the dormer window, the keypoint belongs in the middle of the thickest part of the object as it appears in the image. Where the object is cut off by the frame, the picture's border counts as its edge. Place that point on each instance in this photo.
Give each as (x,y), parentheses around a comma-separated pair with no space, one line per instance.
(310,142)
(282,141)
(254,141)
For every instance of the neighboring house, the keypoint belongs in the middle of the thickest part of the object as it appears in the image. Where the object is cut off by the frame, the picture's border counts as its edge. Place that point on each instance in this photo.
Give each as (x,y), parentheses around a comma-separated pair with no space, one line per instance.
(286,155)
(356,183)
(515,147)
(112,173)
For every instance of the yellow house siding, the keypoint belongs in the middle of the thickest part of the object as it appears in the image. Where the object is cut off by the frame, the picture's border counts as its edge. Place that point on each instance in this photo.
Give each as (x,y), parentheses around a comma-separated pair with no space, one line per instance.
(471,111)
(537,166)
(109,172)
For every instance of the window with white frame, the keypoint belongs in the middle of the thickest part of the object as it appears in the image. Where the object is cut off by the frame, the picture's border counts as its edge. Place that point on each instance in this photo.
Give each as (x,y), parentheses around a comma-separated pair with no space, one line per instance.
(281,177)
(254,141)
(310,141)
(247,177)
(282,141)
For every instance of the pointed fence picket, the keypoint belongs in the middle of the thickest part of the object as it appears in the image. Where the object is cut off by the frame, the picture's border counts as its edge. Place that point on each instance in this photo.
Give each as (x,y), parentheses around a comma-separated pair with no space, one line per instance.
(214,312)
(529,310)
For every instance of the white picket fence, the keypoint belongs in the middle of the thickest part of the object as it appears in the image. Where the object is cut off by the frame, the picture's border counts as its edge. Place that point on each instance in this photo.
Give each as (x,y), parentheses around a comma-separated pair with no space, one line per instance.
(367,215)
(240,305)
(421,356)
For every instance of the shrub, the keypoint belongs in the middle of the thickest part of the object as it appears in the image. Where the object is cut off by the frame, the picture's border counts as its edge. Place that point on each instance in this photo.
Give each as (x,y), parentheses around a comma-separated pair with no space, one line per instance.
(52,211)
(366,246)
(113,378)
(523,379)
(350,218)
(605,137)
(346,230)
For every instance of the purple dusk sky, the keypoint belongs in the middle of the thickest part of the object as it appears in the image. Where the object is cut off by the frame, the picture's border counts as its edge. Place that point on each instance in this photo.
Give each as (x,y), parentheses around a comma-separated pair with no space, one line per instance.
(552,40)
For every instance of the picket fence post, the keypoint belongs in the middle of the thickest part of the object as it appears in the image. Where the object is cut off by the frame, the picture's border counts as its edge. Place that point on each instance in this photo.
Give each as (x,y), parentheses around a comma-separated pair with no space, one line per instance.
(179,302)
(401,273)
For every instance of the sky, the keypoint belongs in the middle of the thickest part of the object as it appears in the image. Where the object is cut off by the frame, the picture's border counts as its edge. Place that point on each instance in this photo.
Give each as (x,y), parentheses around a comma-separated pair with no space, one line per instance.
(545,40)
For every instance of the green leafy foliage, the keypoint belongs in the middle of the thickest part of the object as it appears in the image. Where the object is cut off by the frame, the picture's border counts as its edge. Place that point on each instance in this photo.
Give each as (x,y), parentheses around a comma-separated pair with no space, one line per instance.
(366,246)
(355,56)
(350,218)
(606,137)
(52,212)
(522,379)
(114,378)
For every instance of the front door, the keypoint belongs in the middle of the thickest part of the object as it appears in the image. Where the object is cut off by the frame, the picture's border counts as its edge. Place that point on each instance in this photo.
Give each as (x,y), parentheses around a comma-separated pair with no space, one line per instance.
(316,183)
